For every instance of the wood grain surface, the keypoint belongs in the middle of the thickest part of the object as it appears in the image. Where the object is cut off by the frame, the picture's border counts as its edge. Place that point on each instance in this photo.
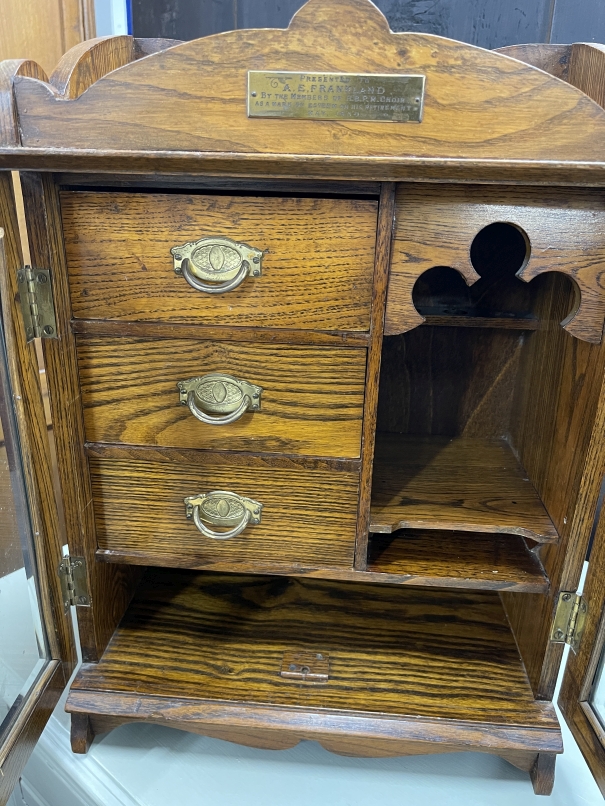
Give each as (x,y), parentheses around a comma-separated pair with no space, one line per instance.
(436,227)
(110,587)
(317,273)
(453,381)
(582,676)
(308,515)
(35,459)
(311,403)
(457,560)
(470,485)
(203,637)
(477,104)
(384,239)
(554,59)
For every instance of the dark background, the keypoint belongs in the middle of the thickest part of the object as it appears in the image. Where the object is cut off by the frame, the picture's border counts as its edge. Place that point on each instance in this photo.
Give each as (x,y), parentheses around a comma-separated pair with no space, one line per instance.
(487,23)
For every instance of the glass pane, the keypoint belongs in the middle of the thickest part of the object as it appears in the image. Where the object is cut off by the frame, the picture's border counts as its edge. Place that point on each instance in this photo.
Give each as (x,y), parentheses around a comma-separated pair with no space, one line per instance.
(23,648)
(597,695)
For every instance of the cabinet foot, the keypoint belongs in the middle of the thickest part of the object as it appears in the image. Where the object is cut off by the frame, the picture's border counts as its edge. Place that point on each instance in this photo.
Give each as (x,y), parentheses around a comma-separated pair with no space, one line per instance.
(542,773)
(82,733)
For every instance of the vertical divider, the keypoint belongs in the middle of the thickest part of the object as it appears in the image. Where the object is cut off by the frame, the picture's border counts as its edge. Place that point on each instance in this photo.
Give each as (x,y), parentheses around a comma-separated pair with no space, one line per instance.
(382,259)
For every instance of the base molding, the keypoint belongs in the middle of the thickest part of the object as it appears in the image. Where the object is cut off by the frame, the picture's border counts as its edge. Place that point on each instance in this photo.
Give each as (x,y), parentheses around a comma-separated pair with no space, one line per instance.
(259,733)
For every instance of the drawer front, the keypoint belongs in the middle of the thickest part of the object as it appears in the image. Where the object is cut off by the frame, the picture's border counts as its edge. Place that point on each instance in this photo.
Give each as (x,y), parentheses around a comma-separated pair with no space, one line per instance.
(308,516)
(316,267)
(311,400)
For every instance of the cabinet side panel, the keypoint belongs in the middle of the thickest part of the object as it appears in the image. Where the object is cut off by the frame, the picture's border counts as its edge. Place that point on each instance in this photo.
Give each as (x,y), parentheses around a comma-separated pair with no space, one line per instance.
(110,587)
(557,433)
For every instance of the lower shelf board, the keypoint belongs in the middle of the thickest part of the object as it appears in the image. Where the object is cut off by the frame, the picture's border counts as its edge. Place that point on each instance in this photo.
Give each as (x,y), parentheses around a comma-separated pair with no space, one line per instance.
(470,485)
(364,669)
(457,559)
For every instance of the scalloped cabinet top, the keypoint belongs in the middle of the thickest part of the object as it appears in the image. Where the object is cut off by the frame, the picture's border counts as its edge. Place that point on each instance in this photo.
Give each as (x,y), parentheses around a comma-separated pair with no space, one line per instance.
(191,100)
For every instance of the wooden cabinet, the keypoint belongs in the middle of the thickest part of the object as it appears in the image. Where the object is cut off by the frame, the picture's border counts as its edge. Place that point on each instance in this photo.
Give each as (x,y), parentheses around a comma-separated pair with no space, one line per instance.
(326,386)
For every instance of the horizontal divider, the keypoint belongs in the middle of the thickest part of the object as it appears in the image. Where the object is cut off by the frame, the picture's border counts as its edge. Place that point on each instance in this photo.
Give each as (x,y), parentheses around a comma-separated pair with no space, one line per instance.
(526,581)
(209,184)
(167,330)
(146,453)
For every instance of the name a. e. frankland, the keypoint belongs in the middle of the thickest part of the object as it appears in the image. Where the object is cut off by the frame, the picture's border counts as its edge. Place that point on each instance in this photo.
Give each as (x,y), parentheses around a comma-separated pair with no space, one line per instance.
(335,96)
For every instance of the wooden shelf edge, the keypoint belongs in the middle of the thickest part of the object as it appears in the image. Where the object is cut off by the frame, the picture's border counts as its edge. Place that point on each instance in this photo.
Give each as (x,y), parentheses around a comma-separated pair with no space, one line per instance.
(334,574)
(499,322)
(437,525)
(454,483)
(355,724)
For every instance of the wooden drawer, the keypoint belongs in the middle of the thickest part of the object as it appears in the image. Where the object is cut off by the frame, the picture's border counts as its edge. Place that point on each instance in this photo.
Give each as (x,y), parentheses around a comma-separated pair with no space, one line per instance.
(316,273)
(311,400)
(309,513)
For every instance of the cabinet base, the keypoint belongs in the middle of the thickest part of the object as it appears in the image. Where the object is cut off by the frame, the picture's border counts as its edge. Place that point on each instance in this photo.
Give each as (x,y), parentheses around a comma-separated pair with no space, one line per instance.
(540,766)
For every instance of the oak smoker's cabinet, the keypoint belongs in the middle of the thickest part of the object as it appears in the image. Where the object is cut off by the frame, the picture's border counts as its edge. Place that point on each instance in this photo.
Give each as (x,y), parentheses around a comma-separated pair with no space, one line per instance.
(322,313)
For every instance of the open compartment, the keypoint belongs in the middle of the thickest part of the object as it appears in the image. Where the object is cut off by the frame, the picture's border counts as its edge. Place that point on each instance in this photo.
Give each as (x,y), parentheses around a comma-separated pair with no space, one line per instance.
(471,412)
(267,661)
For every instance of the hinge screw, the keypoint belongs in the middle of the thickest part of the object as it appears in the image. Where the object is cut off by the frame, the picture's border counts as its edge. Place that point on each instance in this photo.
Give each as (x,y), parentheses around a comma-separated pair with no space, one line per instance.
(42,278)
(566,597)
(558,634)
(49,330)
(82,600)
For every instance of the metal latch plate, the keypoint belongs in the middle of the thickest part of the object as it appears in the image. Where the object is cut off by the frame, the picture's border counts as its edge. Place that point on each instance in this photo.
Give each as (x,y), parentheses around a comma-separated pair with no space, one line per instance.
(37,306)
(310,667)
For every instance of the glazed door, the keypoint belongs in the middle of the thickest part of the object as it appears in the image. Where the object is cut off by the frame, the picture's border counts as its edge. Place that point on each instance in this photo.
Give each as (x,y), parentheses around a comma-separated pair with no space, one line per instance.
(36,643)
(582,697)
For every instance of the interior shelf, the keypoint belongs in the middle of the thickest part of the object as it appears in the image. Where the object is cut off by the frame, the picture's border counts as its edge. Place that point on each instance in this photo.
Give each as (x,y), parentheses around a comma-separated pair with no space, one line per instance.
(401,662)
(463,484)
(457,560)
(499,322)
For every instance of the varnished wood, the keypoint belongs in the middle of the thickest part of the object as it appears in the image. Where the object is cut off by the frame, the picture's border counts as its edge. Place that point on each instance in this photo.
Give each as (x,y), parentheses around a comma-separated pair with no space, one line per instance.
(312,399)
(436,228)
(457,559)
(193,456)
(34,444)
(557,434)
(89,61)
(453,381)
(259,335)
(554,59)
(276,739)
(9,69)
(469,485)
(366,638)
(81,734)
(586,70)
(518,119)
(384,237)
(22,736)
(499,323)
(306,187)
(317,273)
(110,587)
(542,773)
(307,516)
(582,669)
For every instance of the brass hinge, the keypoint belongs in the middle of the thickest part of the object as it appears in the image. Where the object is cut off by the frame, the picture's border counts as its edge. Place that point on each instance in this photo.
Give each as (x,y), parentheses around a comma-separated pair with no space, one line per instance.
(570,617)
(74,582)
(37,306)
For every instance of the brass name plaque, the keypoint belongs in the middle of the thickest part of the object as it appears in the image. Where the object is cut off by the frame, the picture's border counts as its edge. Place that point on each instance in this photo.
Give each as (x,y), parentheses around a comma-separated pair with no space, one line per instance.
(335,96)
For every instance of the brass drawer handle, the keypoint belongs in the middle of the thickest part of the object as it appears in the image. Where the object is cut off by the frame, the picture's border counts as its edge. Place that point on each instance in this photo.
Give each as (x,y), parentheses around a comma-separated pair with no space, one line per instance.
(218,260)
(222,508)
(219,394)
